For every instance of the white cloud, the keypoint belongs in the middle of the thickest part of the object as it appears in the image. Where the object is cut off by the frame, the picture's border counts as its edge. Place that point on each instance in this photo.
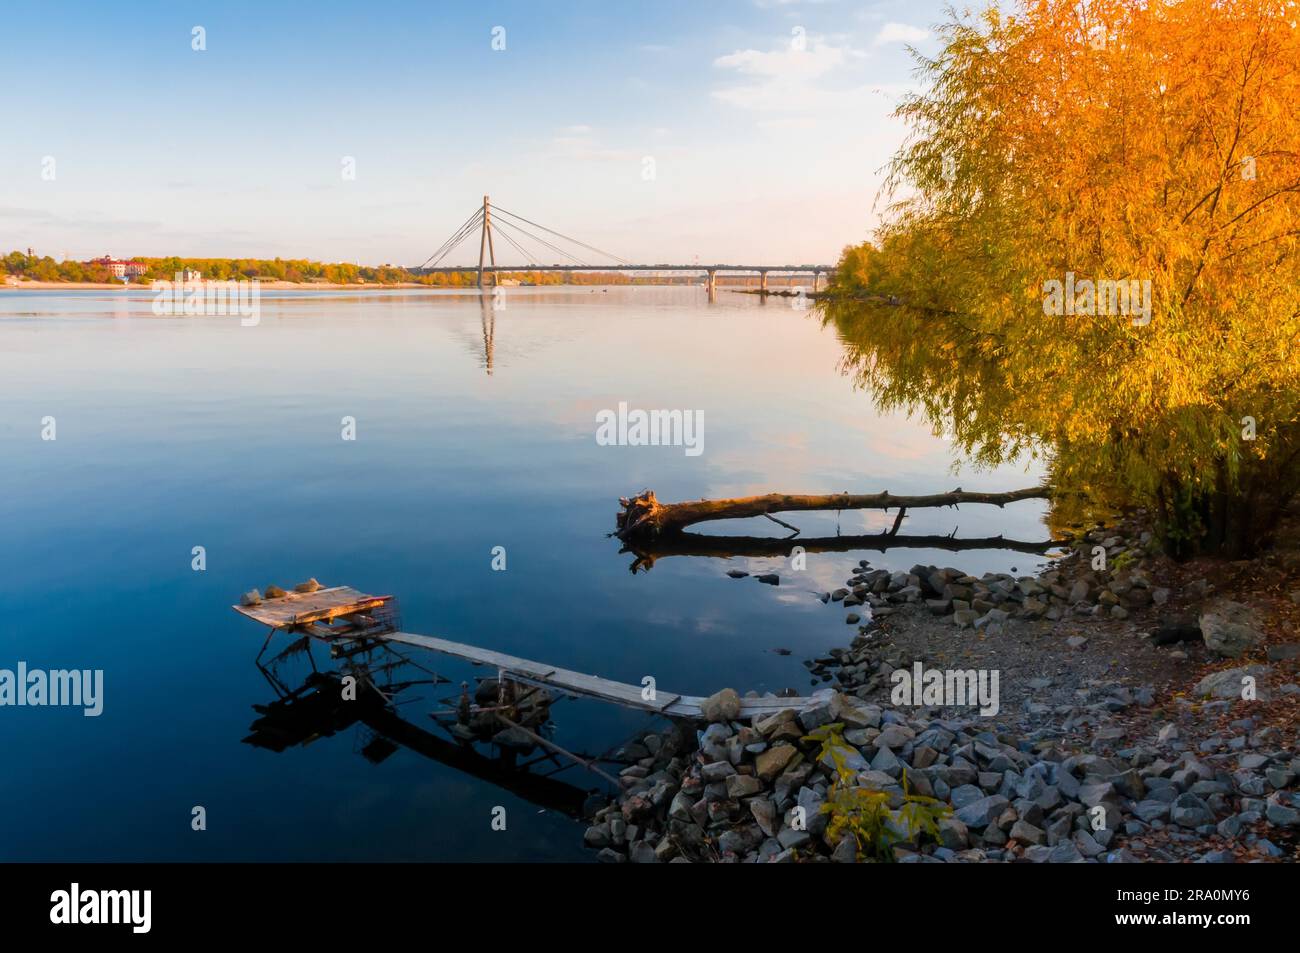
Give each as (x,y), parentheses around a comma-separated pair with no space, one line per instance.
(580,144)
(900,33)
(782,79)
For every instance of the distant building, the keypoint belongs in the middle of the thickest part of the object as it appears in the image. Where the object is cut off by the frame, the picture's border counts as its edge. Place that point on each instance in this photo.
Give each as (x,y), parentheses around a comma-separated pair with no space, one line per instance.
(118,268)
(189,274)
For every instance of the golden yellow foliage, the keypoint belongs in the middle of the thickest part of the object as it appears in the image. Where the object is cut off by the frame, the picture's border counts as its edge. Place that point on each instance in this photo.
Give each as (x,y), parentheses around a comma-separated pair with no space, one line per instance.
(1100,148)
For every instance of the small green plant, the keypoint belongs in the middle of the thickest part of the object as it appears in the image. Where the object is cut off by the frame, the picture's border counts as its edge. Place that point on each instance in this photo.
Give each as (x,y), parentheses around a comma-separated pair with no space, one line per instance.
(1124,559)
(865,815)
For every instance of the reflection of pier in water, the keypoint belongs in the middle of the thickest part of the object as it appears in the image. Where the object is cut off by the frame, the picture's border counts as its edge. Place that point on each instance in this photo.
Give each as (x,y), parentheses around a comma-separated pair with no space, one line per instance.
(318,709)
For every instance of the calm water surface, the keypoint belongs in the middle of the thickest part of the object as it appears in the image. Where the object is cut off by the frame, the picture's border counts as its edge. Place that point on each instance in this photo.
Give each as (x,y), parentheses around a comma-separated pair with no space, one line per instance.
(475,429)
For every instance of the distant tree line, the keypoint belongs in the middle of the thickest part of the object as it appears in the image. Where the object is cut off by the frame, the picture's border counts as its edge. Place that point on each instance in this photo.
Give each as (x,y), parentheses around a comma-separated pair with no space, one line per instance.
(38,268)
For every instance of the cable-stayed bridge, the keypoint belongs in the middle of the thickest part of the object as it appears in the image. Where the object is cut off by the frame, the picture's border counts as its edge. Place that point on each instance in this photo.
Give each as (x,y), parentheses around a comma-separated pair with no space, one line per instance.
(521,236)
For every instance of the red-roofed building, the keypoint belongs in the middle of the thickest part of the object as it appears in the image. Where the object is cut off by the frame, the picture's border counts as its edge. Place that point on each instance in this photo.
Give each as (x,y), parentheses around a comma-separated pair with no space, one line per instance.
(119,268)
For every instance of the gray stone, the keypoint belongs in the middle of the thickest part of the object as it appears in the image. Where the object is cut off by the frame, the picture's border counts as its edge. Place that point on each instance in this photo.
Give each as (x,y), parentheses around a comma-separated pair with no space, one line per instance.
(743,786)
(965,794)
(1027,833)
(1065,853)
(845,852)
(887,762)
(1152,811)
(1228,683)
(953,834)
(895,736)
(1219,857)
(764,812)
(1190,811)
(721,707)
(643,853)
(1230,629)
(774,760)
(717,771)
(1282,816)
(983,812)
(792,839)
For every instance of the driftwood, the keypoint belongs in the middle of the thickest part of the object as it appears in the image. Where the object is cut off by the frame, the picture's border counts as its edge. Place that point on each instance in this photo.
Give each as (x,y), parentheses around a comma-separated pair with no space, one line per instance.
(643,516)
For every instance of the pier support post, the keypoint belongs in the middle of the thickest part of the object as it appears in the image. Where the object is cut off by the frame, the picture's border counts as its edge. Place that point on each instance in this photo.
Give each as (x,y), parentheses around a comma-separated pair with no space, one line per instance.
(817,280)
(713,283)
(762,281)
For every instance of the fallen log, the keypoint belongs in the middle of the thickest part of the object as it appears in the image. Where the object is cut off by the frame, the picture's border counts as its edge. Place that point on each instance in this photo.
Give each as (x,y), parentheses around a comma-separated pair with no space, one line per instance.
(645,516)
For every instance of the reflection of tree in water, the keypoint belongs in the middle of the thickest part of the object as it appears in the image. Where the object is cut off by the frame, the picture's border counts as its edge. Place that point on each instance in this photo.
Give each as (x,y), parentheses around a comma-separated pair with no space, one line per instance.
(647,550)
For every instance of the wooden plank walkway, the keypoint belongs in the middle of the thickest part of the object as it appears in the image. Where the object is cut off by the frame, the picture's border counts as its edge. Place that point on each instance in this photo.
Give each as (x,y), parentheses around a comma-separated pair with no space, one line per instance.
(590,686)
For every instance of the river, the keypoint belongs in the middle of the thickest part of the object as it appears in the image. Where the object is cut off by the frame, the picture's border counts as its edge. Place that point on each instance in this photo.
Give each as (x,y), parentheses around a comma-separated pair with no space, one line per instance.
(474,429)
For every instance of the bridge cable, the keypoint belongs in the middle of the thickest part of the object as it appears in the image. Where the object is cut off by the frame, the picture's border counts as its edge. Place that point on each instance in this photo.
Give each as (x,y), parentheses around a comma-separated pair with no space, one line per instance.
(457,236)
(527,257)
(574,241)
(454,245)
(464,232)
(447,247)
(443,247)
(544,243)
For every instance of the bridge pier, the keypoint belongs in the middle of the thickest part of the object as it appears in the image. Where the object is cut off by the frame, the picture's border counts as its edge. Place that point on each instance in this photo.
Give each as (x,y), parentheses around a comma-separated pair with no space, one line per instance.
(713,283)
(762,281)
(817,280)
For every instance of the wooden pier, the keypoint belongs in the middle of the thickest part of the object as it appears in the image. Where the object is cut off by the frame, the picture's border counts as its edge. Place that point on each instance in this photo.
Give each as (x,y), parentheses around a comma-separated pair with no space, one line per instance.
(345,614)
(591,686)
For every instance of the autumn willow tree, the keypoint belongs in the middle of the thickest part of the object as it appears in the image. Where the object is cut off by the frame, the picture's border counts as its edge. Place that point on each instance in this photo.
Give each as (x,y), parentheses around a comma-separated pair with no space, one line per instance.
(1054,156)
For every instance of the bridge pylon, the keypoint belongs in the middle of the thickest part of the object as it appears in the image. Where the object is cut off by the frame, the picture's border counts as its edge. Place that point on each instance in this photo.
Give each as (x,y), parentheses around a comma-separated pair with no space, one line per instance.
(485,243)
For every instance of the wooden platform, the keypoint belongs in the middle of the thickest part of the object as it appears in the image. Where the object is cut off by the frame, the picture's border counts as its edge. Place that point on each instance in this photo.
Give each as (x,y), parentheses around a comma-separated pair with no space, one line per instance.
(590,686)
(301,608)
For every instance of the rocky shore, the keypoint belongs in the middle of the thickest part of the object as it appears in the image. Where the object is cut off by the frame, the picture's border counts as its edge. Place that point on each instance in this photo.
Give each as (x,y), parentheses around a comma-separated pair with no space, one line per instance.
(1147,711)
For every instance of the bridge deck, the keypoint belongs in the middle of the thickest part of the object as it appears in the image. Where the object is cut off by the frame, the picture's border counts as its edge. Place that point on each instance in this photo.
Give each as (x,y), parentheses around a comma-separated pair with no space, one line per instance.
(698,269)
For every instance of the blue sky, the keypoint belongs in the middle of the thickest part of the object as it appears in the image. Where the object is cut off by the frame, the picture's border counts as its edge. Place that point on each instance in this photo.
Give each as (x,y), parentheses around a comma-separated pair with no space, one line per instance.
(767,122)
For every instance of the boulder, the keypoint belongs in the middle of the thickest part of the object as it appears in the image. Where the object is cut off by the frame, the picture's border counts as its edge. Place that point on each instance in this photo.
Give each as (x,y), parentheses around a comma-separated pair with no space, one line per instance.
(1230,629)
(983,812)
(1228,683)
(774,760)
(724,706)
(1190,811)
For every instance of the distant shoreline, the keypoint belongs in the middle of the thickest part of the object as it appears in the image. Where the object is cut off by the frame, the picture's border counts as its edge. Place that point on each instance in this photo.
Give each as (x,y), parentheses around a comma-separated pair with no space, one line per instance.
(262,283)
